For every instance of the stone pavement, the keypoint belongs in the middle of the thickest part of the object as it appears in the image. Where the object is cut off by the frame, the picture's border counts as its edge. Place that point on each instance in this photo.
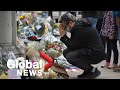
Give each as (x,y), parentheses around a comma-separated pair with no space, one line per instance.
(105,73)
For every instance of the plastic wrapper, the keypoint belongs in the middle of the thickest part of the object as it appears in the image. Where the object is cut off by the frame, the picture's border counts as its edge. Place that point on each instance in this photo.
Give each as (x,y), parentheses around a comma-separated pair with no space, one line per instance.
(35,21)
(11,55)
(52,74)
(37,46)
(29,32)
(53,46)
(56,29)
(62,61)
(20,44)
(31,52)
(28,19)
(49,37)
(48,27)
(60,70)
(53,53)
(24,21)
(3,72)
(21,36)
(56,32)
(19,23)
(40,28)
(46,75)
(4,76)
(49,74)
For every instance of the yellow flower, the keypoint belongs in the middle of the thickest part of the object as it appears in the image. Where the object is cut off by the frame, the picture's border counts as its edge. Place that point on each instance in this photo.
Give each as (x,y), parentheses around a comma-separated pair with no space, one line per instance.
(21,17)
(4,76)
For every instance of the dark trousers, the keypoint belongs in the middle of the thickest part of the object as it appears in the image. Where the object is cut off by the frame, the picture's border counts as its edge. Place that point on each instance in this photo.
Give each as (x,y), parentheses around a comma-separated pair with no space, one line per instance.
(111,45)
(99,24)
(81,58)
(103,41)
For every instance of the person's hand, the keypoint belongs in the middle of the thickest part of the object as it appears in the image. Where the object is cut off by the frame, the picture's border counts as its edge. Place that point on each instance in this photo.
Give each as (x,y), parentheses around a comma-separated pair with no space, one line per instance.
(118,21)
(111,37)
(62,30)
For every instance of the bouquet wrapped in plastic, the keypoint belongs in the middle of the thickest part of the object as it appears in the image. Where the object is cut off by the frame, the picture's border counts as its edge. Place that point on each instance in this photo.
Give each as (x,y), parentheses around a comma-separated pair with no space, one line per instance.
(53,46)
(54,49)
(33,55)
(3,72)
(48,74)
(36,45)
(39,28)
(56,29)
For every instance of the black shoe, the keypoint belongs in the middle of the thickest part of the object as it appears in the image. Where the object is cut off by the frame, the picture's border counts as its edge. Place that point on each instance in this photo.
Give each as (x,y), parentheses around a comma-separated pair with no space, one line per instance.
(90,75)
(82,75)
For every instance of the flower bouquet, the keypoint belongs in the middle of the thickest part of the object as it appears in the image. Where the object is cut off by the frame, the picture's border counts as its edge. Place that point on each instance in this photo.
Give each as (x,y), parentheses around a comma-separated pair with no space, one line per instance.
(48,74)
(36,45)
(39,28)
(56,29)
(54,49)
(3,72)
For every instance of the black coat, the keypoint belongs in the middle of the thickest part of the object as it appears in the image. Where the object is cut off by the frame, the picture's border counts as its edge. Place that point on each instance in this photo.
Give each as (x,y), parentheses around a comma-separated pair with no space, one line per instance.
(100,21)
(84,36)
(90,14)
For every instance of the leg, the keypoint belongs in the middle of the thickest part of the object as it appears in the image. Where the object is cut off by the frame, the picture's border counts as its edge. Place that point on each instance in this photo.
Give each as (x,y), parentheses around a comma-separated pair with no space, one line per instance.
(76,59)
(79,59)
(115,51)
(103,41)
(118,68)
(65,52)
(109,49)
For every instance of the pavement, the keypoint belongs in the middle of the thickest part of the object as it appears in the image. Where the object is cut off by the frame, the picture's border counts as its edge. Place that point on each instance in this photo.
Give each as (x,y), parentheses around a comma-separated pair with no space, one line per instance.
(105,73)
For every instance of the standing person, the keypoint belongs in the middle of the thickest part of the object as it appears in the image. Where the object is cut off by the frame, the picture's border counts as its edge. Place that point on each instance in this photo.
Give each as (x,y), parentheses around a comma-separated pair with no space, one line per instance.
(99,26)
(100,20)
(92,16)
(84,47)
(117,16)
(109,31)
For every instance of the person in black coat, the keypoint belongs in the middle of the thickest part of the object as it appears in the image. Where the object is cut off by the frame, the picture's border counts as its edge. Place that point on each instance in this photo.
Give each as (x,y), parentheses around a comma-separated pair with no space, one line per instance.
(92,16)
(100,20)
(84,47)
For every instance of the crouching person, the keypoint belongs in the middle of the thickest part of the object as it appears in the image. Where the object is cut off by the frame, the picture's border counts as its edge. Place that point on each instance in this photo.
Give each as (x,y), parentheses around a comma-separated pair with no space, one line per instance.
(84,47)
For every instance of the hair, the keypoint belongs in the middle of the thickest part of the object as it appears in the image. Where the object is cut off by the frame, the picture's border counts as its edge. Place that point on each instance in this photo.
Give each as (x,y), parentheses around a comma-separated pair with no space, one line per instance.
(66,17)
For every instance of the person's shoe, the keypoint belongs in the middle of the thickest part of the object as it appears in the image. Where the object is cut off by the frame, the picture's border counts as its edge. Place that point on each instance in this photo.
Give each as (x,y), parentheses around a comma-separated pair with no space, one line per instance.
(107,64)
(113,66)
(117,69)
(82,75)
(91,75)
